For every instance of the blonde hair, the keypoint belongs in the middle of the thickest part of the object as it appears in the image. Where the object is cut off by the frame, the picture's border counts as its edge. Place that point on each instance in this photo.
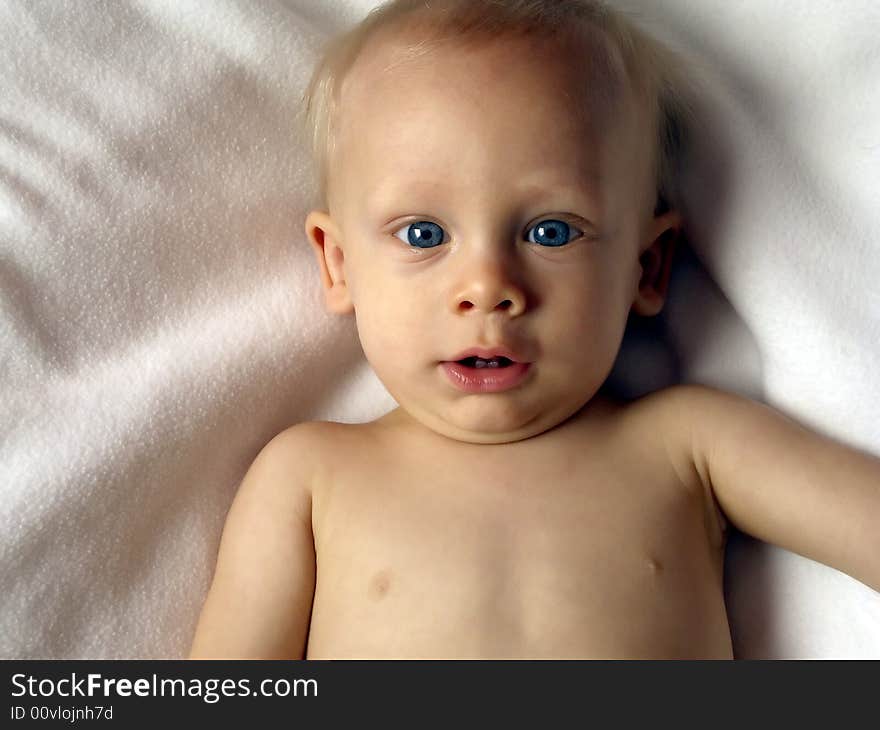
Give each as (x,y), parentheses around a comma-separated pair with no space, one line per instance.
(655,72)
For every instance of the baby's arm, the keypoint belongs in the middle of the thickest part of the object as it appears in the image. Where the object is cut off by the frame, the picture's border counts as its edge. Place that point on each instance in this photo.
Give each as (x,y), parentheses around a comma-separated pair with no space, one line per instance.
(261,597)
(783,483)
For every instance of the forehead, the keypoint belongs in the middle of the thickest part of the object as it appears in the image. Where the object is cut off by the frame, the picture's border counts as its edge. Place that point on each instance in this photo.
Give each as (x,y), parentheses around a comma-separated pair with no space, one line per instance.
(550,106)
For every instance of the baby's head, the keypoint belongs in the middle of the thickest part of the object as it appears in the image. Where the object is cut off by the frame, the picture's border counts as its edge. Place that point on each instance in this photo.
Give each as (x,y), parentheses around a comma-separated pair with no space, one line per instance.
(494,175)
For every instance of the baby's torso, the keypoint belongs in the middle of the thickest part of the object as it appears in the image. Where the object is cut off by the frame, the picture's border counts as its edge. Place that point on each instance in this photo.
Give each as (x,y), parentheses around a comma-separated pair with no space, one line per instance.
(582,543)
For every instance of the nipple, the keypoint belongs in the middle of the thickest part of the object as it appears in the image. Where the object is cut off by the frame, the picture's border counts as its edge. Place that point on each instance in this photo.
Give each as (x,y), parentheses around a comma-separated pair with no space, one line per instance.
(380,584)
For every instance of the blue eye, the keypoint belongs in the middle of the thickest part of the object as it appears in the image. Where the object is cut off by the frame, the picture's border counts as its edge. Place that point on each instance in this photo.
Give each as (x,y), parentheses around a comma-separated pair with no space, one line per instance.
(552,233)
(422,234)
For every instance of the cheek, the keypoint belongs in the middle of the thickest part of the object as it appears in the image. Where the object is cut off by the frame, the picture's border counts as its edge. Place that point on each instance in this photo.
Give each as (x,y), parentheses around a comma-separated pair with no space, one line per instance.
(588,310)
(392,325)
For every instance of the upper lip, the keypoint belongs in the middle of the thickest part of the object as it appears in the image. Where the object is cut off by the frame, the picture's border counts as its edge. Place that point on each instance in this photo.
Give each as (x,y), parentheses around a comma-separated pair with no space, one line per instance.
(487,353)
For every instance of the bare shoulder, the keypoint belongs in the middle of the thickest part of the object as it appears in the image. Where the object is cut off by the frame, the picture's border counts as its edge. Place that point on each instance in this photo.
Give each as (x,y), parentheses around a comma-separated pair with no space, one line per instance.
(682,408)
(298,443)
(304,459)
(667,414)
(780,481)
(297,452)
(686,418)
(314,435)
(682,421)
(659,425)
(285,463)
(277,486)
(702,417)
(681,399)
(259,601)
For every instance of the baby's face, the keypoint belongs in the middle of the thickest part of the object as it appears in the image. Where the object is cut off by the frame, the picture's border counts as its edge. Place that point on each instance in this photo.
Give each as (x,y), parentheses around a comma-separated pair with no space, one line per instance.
(473,206)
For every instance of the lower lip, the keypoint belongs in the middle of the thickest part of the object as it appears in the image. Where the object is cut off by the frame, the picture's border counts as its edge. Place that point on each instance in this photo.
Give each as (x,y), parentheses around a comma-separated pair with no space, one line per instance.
(485,380)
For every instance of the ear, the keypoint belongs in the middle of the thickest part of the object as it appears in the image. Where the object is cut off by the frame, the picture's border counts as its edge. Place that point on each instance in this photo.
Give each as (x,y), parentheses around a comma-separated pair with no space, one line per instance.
(656,263)
(326,242)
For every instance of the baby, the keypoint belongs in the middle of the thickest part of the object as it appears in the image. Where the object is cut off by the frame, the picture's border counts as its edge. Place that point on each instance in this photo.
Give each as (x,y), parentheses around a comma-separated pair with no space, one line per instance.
(496,199)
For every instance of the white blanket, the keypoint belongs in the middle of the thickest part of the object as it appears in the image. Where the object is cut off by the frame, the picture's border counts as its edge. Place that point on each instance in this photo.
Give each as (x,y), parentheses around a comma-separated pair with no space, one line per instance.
(161,320)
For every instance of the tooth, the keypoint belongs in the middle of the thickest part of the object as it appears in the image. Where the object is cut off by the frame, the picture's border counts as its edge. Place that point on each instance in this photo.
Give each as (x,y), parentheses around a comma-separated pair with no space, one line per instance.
(480,363)
(494,364)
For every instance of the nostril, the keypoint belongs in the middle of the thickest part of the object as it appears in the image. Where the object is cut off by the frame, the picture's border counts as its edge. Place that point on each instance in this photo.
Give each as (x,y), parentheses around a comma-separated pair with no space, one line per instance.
(466,305)
(506,304)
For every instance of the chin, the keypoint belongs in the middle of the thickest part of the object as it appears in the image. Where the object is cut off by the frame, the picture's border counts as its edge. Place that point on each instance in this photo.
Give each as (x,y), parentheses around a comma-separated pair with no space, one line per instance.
(486,421)
(482,422)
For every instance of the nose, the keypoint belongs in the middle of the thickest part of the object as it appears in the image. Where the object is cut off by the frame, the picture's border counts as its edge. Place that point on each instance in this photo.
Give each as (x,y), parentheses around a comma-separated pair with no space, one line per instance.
(487,287)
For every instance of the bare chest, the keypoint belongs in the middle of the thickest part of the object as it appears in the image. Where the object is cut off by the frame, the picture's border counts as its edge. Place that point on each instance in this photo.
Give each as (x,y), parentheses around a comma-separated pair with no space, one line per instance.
(558,555)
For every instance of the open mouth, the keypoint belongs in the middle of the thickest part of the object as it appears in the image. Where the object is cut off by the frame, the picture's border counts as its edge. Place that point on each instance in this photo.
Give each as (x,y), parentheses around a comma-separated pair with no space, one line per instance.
(486,375)
(480,363)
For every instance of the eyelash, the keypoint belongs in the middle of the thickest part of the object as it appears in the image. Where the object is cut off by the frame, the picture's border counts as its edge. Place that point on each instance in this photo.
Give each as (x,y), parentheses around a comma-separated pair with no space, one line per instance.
(568,225)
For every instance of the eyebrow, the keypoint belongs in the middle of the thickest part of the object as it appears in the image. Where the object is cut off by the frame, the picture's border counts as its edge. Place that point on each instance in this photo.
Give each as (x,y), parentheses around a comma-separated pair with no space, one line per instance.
(395,188)
(390,190)
(588,189)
